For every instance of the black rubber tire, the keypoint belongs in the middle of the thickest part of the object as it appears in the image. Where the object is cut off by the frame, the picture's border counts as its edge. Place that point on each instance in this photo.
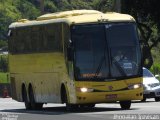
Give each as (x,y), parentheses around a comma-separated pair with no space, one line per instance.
(91,105)
(69,107)
(34,105)
(25,99)
(87,105)
(125,105)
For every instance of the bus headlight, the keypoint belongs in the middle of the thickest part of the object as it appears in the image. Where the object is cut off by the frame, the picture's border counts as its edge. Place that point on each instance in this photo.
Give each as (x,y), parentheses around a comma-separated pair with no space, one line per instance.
(84,89)
(134,86)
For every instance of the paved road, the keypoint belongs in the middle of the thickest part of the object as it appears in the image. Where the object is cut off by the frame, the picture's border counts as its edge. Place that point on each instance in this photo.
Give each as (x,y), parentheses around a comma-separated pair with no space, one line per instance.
(12,110)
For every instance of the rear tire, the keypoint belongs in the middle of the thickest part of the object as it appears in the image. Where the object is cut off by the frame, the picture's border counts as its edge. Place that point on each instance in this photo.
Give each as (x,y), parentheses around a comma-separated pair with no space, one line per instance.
(34,105)
(125,105)
(157,99)
(25,99)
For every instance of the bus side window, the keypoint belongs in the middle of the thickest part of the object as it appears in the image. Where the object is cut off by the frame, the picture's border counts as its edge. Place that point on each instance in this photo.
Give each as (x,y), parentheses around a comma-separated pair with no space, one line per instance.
(49,37)
(19,45)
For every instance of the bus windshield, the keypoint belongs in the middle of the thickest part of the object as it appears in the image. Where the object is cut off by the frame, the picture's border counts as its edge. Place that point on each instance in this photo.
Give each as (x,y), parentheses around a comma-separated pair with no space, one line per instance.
(106,51)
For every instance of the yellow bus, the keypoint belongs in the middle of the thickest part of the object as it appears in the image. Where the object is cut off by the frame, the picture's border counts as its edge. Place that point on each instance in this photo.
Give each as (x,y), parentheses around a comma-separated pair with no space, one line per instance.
(79,57)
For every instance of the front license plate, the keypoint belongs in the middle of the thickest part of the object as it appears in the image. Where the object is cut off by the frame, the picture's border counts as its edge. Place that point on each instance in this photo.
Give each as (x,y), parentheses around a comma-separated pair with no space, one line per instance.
(111,96)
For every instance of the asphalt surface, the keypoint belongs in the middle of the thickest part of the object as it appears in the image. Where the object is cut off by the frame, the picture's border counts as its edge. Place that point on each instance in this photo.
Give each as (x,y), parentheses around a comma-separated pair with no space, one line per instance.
(12,110)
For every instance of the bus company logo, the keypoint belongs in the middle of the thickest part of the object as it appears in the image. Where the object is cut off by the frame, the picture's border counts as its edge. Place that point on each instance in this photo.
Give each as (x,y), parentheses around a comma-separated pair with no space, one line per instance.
(110,88)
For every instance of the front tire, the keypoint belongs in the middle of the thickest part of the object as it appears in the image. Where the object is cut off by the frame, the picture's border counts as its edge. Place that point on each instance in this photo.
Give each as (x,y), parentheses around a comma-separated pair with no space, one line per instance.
(91,105)
(69,107)
(87,105)
(125,105)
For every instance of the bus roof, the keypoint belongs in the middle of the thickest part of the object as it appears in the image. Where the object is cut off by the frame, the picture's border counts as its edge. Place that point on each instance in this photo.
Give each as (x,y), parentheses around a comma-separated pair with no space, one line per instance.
(75,17)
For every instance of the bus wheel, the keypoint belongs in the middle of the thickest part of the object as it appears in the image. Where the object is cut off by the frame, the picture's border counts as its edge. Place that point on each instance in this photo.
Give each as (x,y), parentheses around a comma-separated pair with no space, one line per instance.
(69,107)
(88,105)
(125,105)
(34,105)
(91,105)
(25,99)
(72,107)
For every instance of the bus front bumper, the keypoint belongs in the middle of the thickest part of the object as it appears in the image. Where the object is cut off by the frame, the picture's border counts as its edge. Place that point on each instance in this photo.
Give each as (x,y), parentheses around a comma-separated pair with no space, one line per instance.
(104,97)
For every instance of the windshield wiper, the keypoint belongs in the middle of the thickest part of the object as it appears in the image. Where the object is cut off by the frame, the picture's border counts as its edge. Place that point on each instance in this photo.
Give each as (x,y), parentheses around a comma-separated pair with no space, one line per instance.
(118,66)
(103,59)
(98,70)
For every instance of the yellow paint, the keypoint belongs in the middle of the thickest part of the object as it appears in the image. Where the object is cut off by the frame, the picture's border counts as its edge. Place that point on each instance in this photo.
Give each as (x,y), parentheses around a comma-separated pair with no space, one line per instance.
(118,86)
(45,71)
(42,62)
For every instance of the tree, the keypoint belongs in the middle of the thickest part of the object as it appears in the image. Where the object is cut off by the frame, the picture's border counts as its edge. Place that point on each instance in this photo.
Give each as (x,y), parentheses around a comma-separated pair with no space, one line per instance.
(104,5)
(3,63)
(41,6)
(27,9)
(117,5)
(11,11)
(50,7)
(146,13)
(8,14)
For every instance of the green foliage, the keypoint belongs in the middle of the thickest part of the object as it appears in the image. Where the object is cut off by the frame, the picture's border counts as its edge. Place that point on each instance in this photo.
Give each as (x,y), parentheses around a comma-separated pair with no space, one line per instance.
(3,43)
(4,63)
(147,13)
(11,11)
(80,4)
(27,9)
(103,5)
(3,77)
(156,65)
(155,69)
(8,14)
(50,6)
(63,5)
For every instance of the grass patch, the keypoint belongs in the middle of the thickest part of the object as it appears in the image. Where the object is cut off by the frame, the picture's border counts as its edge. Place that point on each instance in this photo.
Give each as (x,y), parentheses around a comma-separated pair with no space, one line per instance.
(3,77)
